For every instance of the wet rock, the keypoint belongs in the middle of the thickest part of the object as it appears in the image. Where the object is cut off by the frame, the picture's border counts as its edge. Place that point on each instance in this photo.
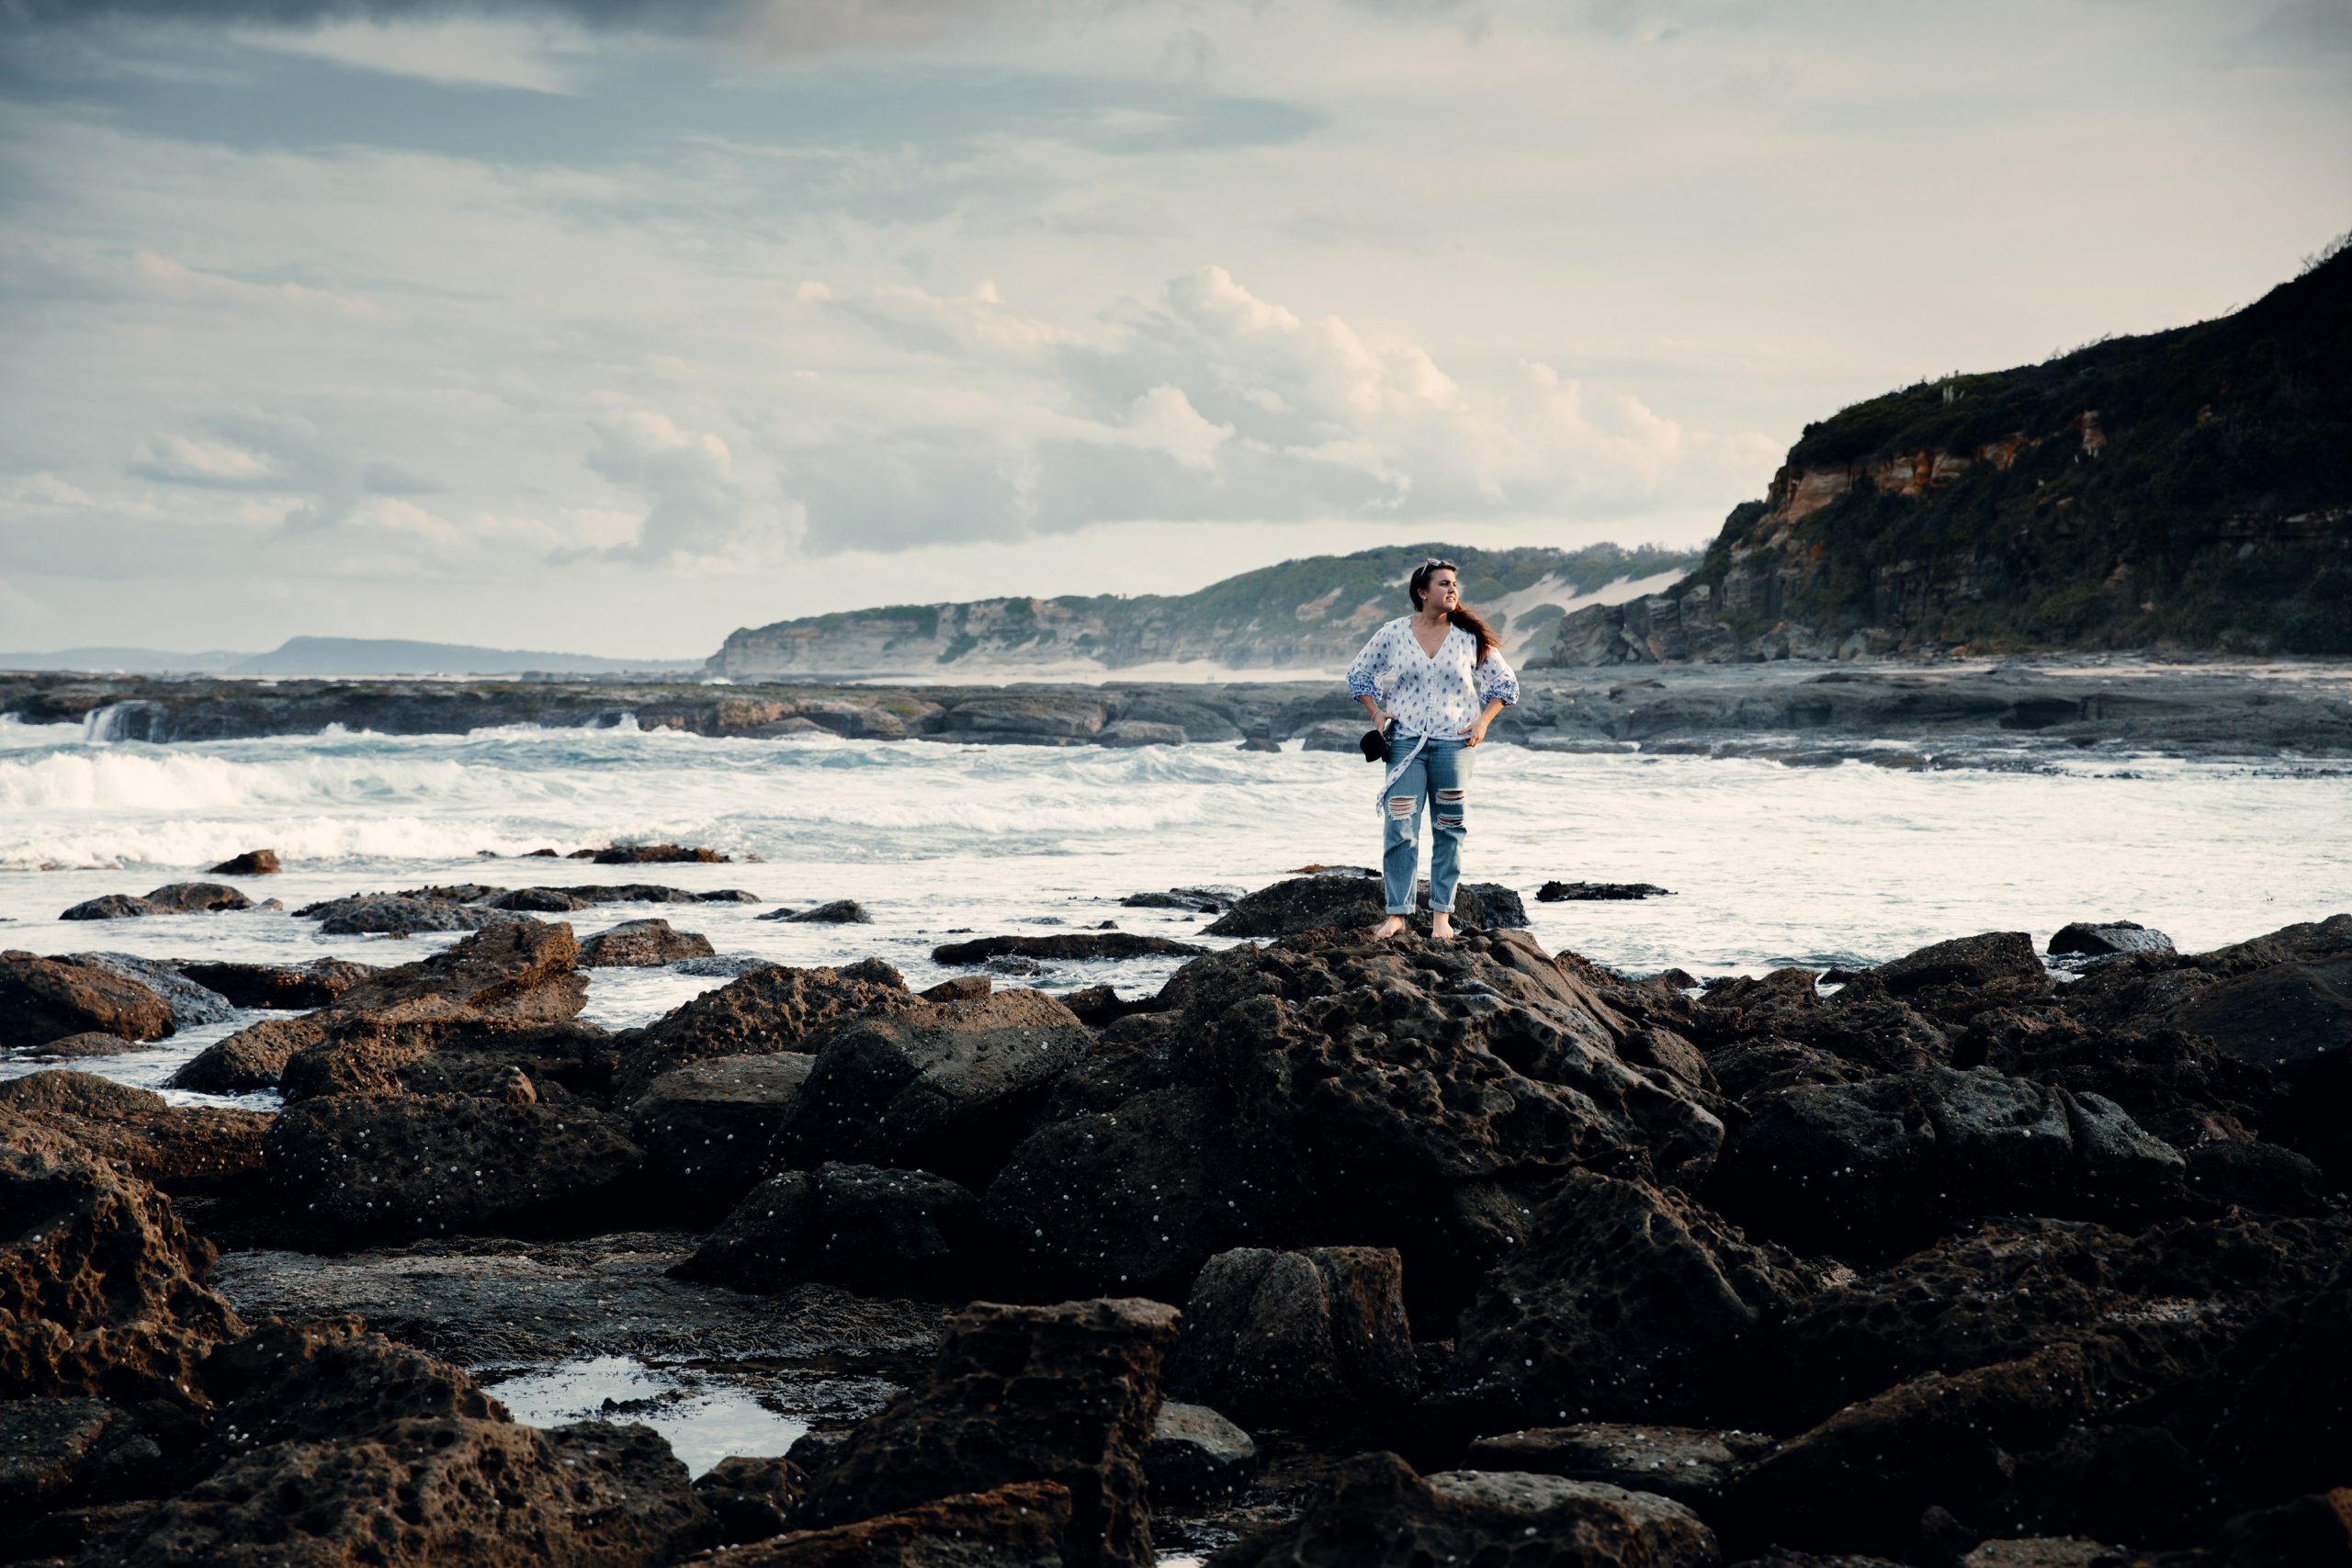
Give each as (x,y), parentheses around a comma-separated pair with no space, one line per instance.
(1952,980)
(1889,1159)
(424,1047)
(358,1168)
(2257,1175)
(1690,1464)
(1098,1007)
(1200,900)
(1376,1513)
(196,897)
(932,1086)
(1046,716)
(316,983)
(250,1059)
(883,1231)
(253,863)
(43,999)
(1308,903)
(1135,1197)
(375,914)
(652,855)
(588,895)
(641,945)
(706,1128)
(1312,1339)
(1625,1300)
(193,1005)
(749,1496)
(2106,939)
(75,1047)
(1129,733)
(2294,1020)
(182,1149)
(770,1010)
(1070,945)
(521,971)
(101,1288)
(59,1452)
(1583,892)
(1197,1454)
(1068,1394)
(110,906)
(1027,1524)
(839,912)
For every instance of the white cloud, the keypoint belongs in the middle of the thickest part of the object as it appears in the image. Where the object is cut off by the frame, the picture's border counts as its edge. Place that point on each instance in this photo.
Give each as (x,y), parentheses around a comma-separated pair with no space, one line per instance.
(180,459)
(700,514)
(460,51)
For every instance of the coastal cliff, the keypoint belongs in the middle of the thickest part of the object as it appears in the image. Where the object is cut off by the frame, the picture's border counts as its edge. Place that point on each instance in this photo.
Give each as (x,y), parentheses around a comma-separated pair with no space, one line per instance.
(2190,489)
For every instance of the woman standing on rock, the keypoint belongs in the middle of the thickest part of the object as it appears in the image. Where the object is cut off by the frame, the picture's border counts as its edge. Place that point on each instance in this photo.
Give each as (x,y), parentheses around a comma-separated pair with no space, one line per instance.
(1437,676)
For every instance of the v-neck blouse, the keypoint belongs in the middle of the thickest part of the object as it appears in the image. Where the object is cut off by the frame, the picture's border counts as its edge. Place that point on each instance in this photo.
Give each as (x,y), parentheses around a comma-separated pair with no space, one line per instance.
(1438,694)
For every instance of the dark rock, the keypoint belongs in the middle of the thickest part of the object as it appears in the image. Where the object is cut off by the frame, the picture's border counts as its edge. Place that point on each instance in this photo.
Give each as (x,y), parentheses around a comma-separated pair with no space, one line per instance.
(43,999)
(196,897)
(1068,1394)
(387,913)
(253,863)
(772,1010)
(1027,1524)
(1197,1454)
(250,1059)
(748,1496)
(521,971)
(1136,1196)
(356,1169)
(881,1232)
(1953,980)
(1563,892)
(1024,715)
(1099,1007)
(641,945)
(60,1452)
(193,1005)
(1376,1513)
(959,988)
(1308,903)
(541,900)
(1625,1300)
(2257,1175)
(2105,939)
(1690,1464)
(2120,1482)
(101,1288)
(182,1149)
(2293,1019)
(706,1128)
(2316,1528)
(1312,1339)
(1073,945)
(110,906)
(313,984)
(932,1086)
(1887,1160)
(75,1047)
(653,854)
(839,912)
(1200,900)
(1130,733)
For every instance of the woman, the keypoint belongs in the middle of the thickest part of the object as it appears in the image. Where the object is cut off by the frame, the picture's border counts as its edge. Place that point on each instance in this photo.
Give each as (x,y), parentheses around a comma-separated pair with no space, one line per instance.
(1438,675)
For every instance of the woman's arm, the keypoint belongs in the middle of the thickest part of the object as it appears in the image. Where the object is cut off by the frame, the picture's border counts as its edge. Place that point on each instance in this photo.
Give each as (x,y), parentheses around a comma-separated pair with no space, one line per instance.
(1363,677)
(1478,725)
(1498,686)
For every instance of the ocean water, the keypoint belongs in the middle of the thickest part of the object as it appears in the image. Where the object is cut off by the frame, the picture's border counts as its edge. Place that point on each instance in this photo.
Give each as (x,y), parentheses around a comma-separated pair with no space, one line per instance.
(1770,864)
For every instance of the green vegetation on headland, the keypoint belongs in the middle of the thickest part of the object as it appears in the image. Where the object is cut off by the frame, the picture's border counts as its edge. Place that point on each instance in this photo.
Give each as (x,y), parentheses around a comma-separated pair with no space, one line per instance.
(2187,488)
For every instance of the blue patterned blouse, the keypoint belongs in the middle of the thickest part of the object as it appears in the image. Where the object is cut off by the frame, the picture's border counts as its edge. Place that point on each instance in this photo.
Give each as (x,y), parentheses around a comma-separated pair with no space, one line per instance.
(1441,695)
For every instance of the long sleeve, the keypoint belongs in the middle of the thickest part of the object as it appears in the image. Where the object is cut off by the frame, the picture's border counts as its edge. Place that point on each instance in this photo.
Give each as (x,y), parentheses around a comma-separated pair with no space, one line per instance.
(1495,680)
(1364,675)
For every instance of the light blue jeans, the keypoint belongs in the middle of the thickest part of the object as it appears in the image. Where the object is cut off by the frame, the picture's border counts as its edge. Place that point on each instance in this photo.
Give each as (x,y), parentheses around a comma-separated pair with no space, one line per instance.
(1440,778)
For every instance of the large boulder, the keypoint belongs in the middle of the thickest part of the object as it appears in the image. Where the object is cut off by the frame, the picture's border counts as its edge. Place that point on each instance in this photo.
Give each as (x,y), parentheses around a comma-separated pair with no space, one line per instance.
(523,970)
(250,1059)
(1625,1300)
(770,1010)
(934,1086)
(1312,1339)
(182,1149)
(1955,980)
(196,897)
(1068,1393)
(1691,1465)
(1889,1161)
(424,1047)
(879,1231)
(193,1005)
(43,999)
(1308,903)
(1062,945)
(2106,939)
(391,914)
(1373,1512)
(641,945)
(359,1168)
(706,1128)
(1026,1524)
(1197,1454)
(252,862)
(315,984)
(110,907)
(101,1289)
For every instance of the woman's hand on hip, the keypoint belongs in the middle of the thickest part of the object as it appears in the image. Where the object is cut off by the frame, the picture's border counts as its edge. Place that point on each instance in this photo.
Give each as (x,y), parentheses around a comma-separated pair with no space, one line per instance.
(1477,733)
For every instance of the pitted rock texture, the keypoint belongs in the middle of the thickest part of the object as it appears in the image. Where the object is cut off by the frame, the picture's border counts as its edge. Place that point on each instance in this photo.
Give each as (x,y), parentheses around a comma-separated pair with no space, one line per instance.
(182,1149)
(1068,1394)
(1026,1524)
(101,1289)
(778,1009)
(884,1232)
(1313,1339)
(1308,903)
(706,1128)
(641,945)
(520,970)
(43,999)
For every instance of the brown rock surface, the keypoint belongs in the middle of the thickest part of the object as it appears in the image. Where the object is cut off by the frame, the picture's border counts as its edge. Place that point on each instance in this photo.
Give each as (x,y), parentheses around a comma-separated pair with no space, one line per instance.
(641,945)
(1312,1339)
(41,1001)
(1027,1524)
(781,1009)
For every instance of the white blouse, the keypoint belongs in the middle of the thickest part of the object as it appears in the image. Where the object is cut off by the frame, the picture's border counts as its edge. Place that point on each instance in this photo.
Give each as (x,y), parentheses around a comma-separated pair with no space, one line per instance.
(1438,695)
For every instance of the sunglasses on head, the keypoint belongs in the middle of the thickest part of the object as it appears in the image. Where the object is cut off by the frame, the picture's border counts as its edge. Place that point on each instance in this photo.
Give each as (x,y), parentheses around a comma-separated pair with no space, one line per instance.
(1433,564)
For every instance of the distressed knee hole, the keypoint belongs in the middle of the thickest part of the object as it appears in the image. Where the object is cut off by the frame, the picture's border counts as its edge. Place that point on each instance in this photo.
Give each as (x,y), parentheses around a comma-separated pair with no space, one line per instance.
(1450,796)
(1445,822)
(1400,806)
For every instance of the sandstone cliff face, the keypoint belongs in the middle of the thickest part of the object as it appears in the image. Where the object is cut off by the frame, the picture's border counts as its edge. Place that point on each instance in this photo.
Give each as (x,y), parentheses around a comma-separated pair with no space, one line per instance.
(2190,489)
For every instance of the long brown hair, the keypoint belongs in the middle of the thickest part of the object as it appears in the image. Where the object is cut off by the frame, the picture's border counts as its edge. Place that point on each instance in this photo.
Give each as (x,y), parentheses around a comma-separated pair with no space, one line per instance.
(1462,615)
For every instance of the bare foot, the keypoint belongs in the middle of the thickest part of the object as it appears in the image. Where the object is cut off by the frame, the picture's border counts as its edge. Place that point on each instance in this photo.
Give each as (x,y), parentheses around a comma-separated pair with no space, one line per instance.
(1388,927)
(1440,928)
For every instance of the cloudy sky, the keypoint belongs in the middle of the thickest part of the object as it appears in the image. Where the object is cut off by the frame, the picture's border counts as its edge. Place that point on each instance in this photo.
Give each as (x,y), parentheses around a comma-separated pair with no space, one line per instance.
(611,325)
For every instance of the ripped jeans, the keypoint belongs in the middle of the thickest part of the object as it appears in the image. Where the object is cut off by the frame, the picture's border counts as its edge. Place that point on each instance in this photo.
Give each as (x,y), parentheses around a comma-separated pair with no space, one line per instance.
(1439,776)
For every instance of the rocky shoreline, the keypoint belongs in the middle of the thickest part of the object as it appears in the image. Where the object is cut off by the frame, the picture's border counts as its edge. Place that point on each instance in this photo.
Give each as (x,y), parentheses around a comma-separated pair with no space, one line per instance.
(1786,712)
(1331,1251)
